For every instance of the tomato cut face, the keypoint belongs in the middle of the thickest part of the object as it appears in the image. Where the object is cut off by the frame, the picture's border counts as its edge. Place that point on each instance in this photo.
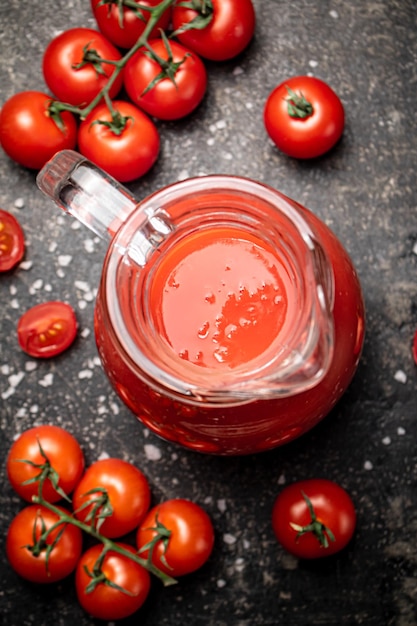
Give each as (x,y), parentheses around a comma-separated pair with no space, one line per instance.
(12,241)
(47,329)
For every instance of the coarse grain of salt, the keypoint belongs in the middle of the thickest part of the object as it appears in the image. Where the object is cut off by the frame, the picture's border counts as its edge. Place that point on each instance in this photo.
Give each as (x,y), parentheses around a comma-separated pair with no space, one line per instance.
(60,272)
(400,431)
(238,71)
(153,453)
(400,376)
(89,245)
(75,225)
(221,505)
(5,369)
(249,105)
(47,380)
(82,285)
(221,583)
(229,539)
(220,124)
(16,379)
(30,366)
(386,441)
(281,479)
(85,333)
(34,409)
(14,303)
(102,410)
(19,203)
(334,14)
(82,304)
(313,63)
(368,465)
(21,412)
(240,564)
(415,248)
(9,392)
(13,290)
(210,141)
(114,408)
(48,288)
(52,246)
(25,265)
(103,455)
(64,260)
(85,374)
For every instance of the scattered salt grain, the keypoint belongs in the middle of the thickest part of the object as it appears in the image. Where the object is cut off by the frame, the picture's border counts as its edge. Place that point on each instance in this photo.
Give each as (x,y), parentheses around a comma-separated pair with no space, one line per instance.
(14,303)
(37,284)
(386,441)
(238,70)
(240,564)
(30,366)
(34,409)
(89,245)
(368,465)
(415,248)
(313,63)
(221,583)
(85,374)
(64,260)
(229,539)
(221,505)
(400,431)
(19,203)
(221,124)
(281,480)
(85,332)
(53,246)
(47,380)
(25,265)
(400,376)
(334,14)
(5,369)
(16,379)
(152,452)
(103,455)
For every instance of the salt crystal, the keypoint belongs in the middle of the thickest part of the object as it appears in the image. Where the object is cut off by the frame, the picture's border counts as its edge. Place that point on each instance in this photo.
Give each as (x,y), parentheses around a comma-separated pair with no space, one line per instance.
(85,374)
(30,366)
(16,379)
(313,63)
(415,248)
(152,452)
(37,284)
(25,265)
(89,245)
(221,505)
(281,480)
(400,376)
(221,583)
(237,71)
(221,124)
(400,431)
(103,455)
(5,369)
(229,539)
(368,465)
(85,332)
(47,381)
(82,304)
(19,203)
(13,290)
(64,260)
(386,441)
(14,303)
(53,246)
(82,285)
(334,14)
(9,392)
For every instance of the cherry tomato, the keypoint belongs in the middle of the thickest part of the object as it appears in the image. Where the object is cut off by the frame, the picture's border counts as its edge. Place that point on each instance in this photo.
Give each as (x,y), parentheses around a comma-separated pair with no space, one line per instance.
(29,133)
(47,329)
(168,98)
(25,529)
(230,27)
(313,518)
(190,542)
(125,156)
(304,117)
(105,601)
(48,449)
(415,347)
(128,496)
(124,29)
(72,68)
(12,241)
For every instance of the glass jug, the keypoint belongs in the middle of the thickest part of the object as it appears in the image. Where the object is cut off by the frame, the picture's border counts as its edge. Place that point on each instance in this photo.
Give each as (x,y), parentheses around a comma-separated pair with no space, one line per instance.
(229,318)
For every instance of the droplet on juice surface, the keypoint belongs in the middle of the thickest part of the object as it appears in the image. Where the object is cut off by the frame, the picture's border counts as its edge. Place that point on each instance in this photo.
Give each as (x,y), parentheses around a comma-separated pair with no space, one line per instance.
(210,298)
(203,331)
(183,354)
(221,354)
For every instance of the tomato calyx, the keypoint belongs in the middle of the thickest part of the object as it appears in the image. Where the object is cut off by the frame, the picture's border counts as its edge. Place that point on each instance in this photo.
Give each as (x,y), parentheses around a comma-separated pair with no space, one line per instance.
(117,124)
(91,57)
(162,535)
(46,472)
(316,527)
(204,9)
(298,106)
(98,577)
(169,67)
(100,507)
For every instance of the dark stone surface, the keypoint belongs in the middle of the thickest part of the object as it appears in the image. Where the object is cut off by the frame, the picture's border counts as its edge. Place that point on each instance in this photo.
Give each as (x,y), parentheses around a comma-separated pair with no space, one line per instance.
(366,191)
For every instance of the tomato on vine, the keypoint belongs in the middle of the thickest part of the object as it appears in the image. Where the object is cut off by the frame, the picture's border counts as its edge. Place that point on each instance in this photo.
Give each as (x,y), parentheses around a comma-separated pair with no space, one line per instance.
(187,537)
(47,329)
(124,142)
(32,129)
(109,585)
(40,548)
(12,241)
(113,495)
(48,452)
(217,30)
(165,79)
(313,518)
(123,24)
(78,63)
(304,117)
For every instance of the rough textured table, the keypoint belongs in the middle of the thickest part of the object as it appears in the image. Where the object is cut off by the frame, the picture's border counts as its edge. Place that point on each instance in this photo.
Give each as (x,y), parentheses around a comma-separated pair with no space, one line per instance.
(366,191)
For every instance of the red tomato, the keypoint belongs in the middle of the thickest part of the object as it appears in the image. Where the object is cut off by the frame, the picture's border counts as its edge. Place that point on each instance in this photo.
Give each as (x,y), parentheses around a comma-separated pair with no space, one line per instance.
(107,602)
(313,518)
(25,529)
(168,99)
(230,27)
(64,462)
(29,133)
(71,69)
(415,348)
(124,30)
(190,542)
(12,241)
(125,156)
(47,329)
(304,117)
(128,495)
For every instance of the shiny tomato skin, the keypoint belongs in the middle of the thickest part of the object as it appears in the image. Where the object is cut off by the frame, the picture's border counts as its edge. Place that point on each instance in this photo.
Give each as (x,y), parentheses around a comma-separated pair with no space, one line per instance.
(47,329)
(166,100)
(79,86)
(314,135)
(127,156)
(12,241)
(29,135)
(227,35)
(106,602)
(63,558)
(63,452)
(191,541)
(128,491)
(126,35)
(333,507)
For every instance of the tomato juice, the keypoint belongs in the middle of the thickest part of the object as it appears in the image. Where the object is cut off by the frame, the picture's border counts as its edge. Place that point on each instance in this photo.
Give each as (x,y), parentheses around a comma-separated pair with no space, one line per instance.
(190,339)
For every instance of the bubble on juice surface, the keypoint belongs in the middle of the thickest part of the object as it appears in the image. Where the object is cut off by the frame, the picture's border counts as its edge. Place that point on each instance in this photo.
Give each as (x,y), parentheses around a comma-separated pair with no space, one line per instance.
(210,298)
(204,329)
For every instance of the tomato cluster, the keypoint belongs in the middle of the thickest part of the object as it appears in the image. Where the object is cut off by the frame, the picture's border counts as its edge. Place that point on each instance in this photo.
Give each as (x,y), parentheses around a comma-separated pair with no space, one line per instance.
(162,74)
(110,499)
